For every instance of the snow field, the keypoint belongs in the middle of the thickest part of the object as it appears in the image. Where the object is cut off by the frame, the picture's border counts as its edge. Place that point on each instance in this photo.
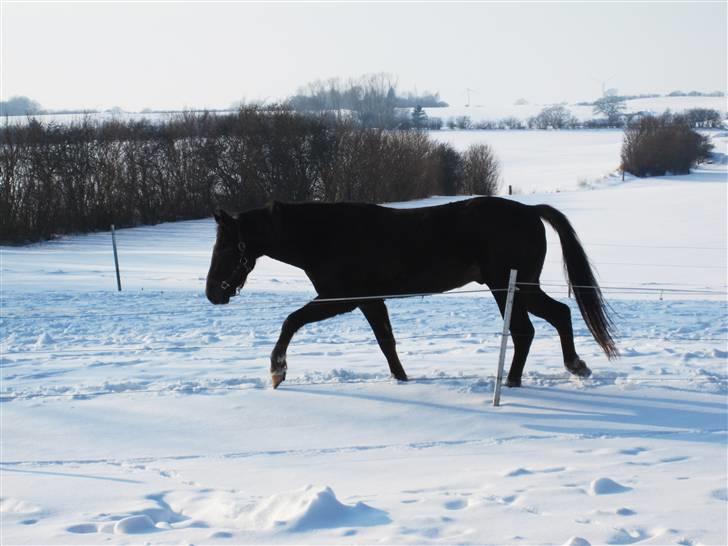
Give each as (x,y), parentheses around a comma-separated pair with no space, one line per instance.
(593,476)
(147,416)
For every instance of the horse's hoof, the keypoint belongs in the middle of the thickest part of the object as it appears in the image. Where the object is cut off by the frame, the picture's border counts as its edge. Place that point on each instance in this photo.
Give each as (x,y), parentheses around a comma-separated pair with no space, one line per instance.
(277,378)
(578,367)
(513,383)
(400,377)
(278,369)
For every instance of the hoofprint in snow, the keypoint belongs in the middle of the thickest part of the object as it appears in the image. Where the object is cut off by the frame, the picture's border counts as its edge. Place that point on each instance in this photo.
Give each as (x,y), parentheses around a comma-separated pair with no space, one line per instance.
(147,415)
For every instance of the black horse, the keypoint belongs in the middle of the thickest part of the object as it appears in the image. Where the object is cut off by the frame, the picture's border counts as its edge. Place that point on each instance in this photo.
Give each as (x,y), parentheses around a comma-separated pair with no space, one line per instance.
(351,251)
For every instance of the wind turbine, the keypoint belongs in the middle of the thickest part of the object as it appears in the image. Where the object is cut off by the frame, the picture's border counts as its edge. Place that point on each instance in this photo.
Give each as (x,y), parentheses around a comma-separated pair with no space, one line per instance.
(604,83)
(468,90)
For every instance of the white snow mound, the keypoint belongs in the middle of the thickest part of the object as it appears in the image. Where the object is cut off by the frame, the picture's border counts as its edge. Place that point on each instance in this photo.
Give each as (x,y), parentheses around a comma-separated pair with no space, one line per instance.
(9,505)
(312,507)
(132,525)
(606,486)
(44,339)
(577,541)
(309,508)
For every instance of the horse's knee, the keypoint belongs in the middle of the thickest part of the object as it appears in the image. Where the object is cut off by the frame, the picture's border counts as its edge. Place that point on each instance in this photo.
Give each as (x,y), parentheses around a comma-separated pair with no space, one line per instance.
(291,324)
(523,334)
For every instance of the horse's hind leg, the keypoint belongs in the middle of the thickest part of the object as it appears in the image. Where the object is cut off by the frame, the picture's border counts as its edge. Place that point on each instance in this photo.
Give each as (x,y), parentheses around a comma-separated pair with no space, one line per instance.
(522,333)
(311,312)
(559,316)
(376,313)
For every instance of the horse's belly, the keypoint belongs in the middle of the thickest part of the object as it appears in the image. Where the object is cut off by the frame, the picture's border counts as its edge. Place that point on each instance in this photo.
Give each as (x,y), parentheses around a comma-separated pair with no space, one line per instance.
(442,277)
(396,277)
(433,277)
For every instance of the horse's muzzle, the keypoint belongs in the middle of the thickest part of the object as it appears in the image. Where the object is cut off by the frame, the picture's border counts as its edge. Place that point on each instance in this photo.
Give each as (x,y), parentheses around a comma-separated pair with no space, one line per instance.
(216,294)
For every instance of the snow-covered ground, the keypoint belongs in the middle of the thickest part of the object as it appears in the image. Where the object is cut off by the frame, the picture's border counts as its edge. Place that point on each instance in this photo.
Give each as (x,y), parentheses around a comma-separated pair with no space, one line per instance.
(147,416)
(543,161)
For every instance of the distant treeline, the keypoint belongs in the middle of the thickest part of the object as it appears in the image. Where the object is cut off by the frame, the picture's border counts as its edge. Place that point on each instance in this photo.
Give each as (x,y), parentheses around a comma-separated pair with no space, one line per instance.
(657,95)
(560,117)
(80,177)
(370,100)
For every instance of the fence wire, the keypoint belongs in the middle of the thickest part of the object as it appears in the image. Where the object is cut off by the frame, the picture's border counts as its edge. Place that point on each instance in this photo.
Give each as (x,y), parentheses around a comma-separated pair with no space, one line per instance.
(467,335)
(277,304)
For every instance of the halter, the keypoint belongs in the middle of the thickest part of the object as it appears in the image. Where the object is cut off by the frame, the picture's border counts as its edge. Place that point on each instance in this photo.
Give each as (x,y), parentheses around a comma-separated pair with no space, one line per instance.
(242,266)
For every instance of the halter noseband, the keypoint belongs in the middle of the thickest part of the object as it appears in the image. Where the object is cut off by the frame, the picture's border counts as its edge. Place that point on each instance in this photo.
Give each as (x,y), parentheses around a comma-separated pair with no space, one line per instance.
(242,266)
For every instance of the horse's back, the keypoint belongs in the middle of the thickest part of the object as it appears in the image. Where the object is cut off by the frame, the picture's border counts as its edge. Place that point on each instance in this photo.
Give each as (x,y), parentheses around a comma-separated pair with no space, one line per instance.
(392,250)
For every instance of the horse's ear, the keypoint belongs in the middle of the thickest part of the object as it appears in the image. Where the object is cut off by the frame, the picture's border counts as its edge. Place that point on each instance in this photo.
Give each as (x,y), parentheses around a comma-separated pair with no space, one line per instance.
(222,217)
(274,207)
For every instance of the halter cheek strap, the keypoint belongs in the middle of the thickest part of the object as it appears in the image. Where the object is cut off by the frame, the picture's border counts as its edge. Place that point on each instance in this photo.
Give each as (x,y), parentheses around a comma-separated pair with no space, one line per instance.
(242,266)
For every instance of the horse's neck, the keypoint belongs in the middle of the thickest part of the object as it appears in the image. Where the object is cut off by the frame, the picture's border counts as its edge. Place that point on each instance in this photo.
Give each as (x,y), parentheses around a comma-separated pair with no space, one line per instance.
(287,241)
(275,233)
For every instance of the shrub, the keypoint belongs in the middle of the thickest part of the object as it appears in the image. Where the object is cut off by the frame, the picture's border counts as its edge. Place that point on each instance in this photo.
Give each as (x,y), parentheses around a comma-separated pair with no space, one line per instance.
(655,146)
(451,169)
(463,122)
(481,171)
(434,123)
(703,117)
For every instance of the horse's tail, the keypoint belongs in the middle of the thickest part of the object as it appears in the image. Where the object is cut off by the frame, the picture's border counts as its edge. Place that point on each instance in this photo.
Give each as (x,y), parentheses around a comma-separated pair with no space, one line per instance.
(579,272)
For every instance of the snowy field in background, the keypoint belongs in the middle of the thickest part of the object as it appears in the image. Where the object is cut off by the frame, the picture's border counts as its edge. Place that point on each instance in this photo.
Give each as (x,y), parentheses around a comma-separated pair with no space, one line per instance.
(476,112)
(147,416)
(656,105)
(546,161)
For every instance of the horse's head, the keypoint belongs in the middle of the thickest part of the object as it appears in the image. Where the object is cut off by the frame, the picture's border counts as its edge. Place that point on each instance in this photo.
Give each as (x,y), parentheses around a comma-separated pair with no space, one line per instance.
(232,260)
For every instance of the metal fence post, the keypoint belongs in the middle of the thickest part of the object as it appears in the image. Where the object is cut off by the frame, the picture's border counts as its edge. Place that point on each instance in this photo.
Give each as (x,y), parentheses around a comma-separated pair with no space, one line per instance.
(504,337)
(116,258)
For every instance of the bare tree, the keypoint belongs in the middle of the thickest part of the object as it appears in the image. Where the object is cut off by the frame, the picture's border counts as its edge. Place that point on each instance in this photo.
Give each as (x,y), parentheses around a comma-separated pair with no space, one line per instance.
(612,106)
(481,171)
(553,117)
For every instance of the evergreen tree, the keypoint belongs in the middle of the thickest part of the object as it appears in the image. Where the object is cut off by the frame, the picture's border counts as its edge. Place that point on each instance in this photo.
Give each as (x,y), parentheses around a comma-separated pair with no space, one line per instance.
(419,117)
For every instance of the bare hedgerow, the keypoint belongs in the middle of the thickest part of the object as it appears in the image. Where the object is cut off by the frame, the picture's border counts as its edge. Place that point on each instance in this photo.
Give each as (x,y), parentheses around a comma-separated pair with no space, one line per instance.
(83,176)
(481,171)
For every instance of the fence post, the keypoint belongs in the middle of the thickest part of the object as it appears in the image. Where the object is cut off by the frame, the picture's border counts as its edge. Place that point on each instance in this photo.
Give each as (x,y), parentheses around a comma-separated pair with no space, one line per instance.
(504,337)
(116,258)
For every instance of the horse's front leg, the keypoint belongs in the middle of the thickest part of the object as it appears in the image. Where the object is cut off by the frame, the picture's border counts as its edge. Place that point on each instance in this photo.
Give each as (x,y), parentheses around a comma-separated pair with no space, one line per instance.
(313,311)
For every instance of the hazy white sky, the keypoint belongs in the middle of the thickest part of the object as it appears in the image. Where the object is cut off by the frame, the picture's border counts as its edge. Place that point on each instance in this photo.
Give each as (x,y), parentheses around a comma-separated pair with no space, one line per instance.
(174,54)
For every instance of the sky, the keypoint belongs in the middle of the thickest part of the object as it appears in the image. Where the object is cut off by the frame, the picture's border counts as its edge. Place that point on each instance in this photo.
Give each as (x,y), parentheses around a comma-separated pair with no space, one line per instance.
(170,55)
